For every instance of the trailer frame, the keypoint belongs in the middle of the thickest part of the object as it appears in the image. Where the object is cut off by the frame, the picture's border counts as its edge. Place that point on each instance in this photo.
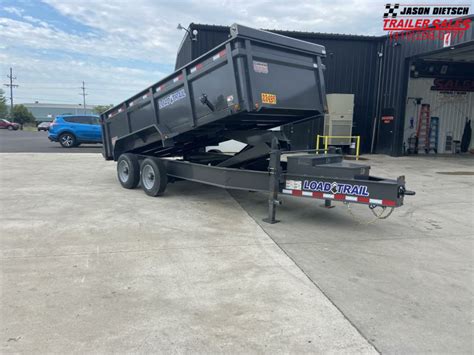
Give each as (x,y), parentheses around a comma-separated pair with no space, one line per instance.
(263,170)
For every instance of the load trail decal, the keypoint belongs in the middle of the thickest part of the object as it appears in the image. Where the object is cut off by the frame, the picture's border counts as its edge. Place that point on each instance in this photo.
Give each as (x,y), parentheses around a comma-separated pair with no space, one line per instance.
(333,191)
(335,188)
(172,98)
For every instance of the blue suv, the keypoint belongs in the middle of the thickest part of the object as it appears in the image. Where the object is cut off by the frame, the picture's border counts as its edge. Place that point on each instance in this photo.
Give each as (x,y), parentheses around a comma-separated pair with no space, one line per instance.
(72,130)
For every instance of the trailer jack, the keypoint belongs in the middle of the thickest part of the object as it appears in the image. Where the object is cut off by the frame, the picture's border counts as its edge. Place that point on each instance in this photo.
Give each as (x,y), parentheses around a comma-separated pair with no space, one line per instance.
(274,169)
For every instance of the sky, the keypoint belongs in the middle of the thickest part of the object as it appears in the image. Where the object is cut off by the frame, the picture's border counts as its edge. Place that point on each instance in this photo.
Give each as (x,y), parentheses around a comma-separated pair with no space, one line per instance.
(119,47)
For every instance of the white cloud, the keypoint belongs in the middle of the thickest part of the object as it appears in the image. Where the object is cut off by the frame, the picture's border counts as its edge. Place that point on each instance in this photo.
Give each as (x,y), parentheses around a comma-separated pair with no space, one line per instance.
(54,80)
(28,34)
(35,20)
(13,10)
(140,31)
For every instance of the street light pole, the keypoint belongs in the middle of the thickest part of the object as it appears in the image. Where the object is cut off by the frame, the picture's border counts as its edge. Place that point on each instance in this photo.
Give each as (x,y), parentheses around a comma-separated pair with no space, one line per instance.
(83,87)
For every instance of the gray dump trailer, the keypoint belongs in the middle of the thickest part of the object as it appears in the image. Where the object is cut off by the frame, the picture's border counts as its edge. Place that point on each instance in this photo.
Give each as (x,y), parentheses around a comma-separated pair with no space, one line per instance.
(254,81)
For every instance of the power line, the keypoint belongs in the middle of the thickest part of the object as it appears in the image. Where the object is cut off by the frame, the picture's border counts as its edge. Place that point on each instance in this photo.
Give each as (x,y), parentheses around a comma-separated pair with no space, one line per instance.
(11,86)
(83,87)
(41,99)
(94,87)
(59,87)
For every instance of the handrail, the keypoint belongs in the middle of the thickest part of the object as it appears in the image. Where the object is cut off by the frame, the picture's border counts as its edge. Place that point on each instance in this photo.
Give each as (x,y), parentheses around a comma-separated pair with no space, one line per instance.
(326,139)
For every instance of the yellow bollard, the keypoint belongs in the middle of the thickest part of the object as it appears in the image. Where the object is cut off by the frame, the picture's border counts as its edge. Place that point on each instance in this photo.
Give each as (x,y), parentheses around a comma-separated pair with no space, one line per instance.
(326,143)
(357,147)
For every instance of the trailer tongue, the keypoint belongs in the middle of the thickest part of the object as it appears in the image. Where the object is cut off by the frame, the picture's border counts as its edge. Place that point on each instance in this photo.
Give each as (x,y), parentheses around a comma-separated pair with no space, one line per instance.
(253,82)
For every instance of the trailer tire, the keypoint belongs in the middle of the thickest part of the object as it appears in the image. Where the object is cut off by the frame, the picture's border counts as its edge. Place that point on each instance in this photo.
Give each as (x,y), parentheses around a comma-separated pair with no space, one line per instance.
(128,170)
(153,177)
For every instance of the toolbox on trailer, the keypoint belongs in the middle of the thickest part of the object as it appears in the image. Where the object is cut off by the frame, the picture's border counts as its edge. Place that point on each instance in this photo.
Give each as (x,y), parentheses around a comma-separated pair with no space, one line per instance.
(254,81)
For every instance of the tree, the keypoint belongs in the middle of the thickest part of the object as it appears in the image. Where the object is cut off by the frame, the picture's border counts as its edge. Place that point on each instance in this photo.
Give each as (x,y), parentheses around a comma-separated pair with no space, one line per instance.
(21,115)
(3,105)
(102,108)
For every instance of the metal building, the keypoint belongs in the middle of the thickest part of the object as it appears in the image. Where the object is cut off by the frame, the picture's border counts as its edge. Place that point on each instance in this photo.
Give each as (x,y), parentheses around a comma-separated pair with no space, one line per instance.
(48,112)
(381,73)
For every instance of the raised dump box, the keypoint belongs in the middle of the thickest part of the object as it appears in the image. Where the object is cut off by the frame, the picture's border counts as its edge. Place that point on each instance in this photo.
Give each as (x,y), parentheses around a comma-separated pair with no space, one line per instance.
(254,80)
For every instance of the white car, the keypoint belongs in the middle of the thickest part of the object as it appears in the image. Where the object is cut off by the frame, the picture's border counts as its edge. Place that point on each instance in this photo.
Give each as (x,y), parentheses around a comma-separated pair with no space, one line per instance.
(44,126)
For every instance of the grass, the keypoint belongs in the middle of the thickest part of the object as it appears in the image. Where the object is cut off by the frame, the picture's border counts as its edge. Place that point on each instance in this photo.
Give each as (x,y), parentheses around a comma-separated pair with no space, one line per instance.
(30,128)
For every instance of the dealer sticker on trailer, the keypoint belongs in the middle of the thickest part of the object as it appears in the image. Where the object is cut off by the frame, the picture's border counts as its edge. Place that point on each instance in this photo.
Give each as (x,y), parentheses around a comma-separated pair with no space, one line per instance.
(269,98)
(260,67)
(293,185)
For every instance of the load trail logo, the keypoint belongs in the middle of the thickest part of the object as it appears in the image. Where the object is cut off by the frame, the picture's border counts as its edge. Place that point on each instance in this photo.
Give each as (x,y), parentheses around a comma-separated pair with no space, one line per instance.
(335,188)
(425,21)
(172,98)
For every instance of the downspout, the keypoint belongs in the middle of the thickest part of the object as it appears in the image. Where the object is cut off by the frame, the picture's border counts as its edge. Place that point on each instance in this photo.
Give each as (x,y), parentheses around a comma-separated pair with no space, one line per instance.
(397,149)
(380,56)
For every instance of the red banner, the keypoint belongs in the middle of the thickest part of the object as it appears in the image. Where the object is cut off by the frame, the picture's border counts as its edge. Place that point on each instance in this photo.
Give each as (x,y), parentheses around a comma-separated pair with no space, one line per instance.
(453,85)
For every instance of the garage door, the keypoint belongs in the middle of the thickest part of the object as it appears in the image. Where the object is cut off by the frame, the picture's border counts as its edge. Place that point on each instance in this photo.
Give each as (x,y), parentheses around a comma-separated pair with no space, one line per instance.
(440,98)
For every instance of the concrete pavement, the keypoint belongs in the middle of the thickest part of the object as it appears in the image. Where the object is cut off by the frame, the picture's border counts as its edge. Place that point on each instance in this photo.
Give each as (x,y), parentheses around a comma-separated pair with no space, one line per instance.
(407,282)
(87,266)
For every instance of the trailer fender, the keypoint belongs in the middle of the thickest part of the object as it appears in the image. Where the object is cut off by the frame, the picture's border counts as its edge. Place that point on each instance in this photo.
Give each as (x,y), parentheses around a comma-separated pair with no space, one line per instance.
(135,140)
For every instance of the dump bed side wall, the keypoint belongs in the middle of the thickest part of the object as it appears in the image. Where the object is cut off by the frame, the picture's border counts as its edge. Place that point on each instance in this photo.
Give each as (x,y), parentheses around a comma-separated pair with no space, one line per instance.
(292,77)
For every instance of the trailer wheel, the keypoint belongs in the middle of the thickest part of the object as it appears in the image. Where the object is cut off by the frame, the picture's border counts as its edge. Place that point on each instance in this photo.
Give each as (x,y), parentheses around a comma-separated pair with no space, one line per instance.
(128,170)
(153,177)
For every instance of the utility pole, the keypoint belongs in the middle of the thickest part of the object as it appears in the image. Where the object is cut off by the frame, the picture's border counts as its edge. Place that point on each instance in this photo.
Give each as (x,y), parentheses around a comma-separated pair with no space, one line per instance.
(83,87)
(11,86)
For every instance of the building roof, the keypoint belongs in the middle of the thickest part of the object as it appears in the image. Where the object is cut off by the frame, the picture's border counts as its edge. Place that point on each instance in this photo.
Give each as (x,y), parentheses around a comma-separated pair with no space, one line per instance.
(48,105)
(342,36)
(220,28)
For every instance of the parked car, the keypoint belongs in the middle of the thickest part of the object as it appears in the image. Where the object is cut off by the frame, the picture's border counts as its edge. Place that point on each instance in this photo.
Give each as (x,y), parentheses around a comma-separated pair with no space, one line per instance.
(44,126)
(5,124)
(72,130)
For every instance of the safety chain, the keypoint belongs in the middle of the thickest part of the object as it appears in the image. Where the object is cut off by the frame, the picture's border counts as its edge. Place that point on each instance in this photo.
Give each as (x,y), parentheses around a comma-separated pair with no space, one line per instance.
(378,216)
